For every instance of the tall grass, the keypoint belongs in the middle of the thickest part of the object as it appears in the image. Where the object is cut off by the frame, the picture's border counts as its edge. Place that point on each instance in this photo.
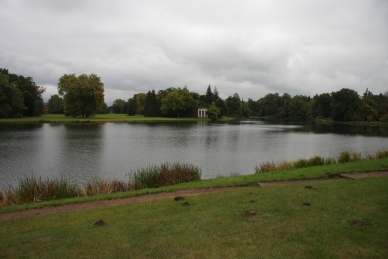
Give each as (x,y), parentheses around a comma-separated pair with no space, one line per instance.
(344,157)
(32,189)
(165,174)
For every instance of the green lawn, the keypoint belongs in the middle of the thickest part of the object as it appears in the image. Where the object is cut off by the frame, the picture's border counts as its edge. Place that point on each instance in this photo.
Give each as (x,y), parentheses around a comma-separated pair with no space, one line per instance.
(216,226)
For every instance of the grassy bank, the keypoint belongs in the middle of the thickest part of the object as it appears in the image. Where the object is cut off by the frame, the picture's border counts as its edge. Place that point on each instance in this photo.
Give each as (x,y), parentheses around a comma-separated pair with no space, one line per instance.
(316,172)
(344,219)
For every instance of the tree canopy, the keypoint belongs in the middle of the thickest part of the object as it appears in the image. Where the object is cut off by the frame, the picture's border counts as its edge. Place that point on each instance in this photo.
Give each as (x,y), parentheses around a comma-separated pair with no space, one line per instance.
(83,95)
(19,96)
(178,103)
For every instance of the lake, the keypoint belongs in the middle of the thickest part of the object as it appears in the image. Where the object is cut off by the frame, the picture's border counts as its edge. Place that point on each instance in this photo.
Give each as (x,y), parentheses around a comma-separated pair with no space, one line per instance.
(87,151)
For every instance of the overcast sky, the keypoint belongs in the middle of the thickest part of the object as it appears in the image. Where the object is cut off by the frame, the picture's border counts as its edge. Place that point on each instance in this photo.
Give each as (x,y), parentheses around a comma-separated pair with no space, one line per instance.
(247,47)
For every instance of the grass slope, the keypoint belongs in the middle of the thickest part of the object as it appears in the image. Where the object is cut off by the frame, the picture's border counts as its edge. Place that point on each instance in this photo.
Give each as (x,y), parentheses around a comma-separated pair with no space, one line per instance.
(216,226)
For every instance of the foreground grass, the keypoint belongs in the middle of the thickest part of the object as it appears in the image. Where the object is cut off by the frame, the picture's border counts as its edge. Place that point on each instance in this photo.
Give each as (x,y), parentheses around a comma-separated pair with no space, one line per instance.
(215,226)
(102,118)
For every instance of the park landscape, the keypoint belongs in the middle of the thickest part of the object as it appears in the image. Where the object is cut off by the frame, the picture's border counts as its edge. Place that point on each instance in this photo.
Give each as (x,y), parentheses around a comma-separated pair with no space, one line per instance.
(311,207)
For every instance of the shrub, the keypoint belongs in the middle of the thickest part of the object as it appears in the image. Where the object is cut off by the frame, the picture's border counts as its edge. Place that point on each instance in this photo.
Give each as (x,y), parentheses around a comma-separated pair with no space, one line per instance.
(285,165)
(301,163)
(265,167)
(356,117)
(330,161)
(344,157)
(384,118)
(316,161)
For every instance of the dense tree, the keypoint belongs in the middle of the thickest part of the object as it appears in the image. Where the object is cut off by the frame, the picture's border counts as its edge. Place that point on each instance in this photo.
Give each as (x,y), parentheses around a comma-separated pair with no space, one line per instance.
(233,106)
(151,107)
(30,93)
(83,95)
(209,96)
(140,102)
(214,112)
(178,103)
(119,106)
(55,104)
(253,106)
(298,108)
(345,103)
(132,106)
(11,101)
(222,106)
(270,105)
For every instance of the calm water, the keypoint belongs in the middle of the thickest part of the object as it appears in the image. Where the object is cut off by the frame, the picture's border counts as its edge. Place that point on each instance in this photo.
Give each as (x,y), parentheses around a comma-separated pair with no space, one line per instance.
(112,150)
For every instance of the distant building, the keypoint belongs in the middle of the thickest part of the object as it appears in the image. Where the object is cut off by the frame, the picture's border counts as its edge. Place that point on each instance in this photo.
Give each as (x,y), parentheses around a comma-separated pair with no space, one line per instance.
(202,112)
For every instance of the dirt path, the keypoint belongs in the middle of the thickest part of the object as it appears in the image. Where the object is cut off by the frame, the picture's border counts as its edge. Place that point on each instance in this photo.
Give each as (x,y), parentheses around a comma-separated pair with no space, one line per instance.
(161,196)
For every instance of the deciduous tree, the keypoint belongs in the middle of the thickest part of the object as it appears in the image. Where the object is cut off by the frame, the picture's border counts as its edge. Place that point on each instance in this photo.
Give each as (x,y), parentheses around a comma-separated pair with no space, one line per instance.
(83,95)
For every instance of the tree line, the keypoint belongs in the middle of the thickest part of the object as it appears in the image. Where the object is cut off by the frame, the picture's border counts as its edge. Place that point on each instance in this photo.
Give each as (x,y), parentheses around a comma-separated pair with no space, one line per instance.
(345,105)
(84,96)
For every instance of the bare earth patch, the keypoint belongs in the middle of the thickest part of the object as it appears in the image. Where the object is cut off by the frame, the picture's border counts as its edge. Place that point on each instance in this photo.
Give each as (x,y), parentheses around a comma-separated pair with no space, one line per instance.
(161,196)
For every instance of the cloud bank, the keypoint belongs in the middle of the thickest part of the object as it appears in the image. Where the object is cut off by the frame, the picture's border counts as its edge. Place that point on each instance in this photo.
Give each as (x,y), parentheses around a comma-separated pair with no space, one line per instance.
(252,48)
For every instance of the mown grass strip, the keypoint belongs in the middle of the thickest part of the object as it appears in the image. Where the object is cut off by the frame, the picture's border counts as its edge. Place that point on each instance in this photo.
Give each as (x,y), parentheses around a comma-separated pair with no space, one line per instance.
(251,223)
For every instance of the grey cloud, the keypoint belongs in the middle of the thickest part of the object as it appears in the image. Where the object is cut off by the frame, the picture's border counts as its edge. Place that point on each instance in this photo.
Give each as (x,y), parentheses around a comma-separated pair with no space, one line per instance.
(250,47)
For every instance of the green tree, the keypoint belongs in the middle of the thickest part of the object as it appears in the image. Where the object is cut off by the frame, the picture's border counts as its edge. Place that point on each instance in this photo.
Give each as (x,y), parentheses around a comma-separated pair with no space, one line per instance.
(298,108)
(31,93)
(270,105)
(178,103)
(222,106)
(83,95)
(132,106)
(140,102)
(344,104)
(11,101)
(151,107)
(209,96)
(55,104)
(119,106)
(214,112)
(233,106)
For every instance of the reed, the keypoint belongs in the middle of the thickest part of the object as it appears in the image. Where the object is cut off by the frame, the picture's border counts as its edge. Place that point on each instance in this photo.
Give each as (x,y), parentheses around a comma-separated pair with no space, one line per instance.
(344,157)
(266,167)
(165,174)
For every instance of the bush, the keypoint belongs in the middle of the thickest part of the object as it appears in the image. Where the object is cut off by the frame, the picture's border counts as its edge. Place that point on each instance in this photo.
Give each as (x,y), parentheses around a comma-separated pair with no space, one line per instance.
(356,117)
(301,163)
(384,118)
(265,167)
(316,161)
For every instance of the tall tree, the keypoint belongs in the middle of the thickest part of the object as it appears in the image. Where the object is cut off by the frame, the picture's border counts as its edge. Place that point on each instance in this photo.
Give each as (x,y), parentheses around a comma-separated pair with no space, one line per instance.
(140,102)
(151,107)
(83,95)
(178,103)
(209,96)
(345,103)
(55,104)
(233,105)
(119,106)
(132,106)
(11,101)
(31,93)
